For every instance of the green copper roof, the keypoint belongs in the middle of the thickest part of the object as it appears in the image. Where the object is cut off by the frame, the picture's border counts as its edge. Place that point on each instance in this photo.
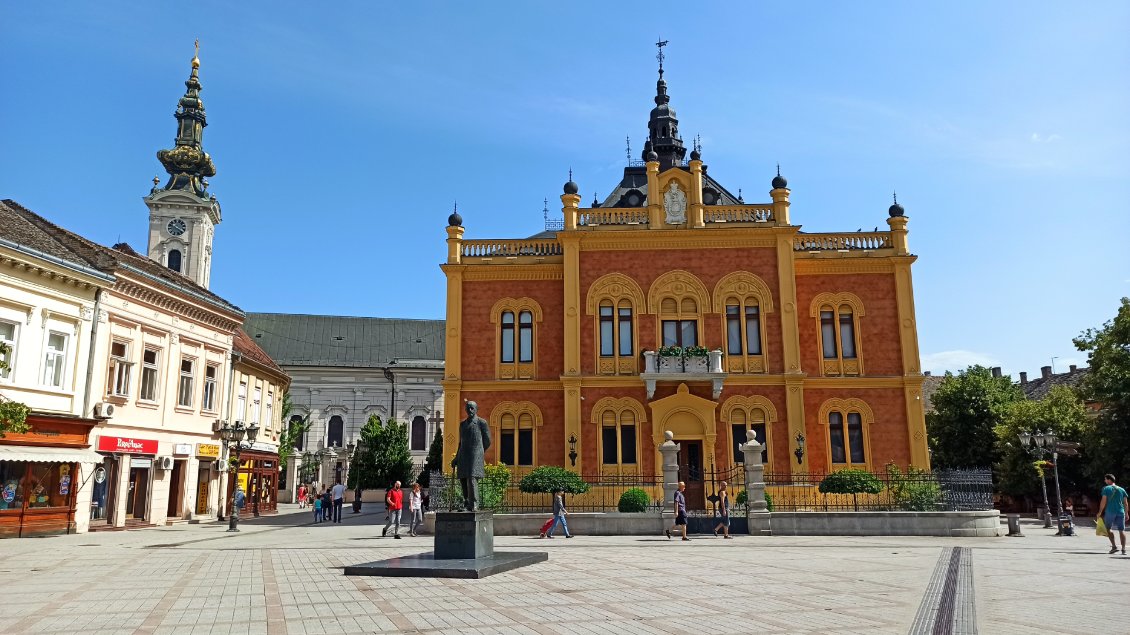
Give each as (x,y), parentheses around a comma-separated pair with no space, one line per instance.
(342,341)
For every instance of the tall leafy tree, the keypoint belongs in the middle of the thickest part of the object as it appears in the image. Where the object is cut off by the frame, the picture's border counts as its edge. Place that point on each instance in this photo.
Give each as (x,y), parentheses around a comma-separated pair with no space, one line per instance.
(363,471)
(382,456)
(967,408)
(434,461)
(1061,412)
(1107,435)
(292,431)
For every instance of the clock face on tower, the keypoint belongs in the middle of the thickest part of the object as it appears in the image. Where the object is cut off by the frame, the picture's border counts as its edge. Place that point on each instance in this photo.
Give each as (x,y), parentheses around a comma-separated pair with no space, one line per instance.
(176,227)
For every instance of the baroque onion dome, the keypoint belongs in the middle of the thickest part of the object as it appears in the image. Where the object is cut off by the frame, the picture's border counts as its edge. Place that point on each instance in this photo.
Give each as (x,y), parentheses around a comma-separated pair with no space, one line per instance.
(187,163)
(663,129)
(896,210)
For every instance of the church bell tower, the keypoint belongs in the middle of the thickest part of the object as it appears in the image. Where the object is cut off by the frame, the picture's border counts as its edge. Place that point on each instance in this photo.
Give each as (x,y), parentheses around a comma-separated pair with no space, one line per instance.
(182,213)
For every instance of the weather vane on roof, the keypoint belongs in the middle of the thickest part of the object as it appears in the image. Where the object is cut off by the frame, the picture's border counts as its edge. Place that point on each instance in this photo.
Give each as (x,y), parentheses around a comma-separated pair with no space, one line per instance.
(628,140)
(659,56)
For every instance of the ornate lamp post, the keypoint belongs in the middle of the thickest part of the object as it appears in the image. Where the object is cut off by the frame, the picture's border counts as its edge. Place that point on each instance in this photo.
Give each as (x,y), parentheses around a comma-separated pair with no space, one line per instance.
(233,436)
(1033,444)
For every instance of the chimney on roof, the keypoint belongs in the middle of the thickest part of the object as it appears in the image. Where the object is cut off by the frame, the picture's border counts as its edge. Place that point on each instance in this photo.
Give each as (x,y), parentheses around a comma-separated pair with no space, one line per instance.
(996,372)
(1023,378)
(1072,368)
(1045,371)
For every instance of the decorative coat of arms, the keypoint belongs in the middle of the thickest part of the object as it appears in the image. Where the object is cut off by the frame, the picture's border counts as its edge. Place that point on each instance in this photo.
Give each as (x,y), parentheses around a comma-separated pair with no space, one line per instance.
(675,204)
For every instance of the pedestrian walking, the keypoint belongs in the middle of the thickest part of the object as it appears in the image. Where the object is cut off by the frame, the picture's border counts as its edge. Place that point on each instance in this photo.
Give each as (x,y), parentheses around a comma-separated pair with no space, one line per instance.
(724,507)
(318,509)
(327,504)
(302,496)
(416,509)
(1113,511)
(338,500)
(680,512)
(394,502)
(559,514)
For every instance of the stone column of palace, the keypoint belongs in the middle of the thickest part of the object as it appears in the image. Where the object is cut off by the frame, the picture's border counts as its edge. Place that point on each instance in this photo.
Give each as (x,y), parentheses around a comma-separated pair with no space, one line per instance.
(790,327)
(757,515)
(571,373)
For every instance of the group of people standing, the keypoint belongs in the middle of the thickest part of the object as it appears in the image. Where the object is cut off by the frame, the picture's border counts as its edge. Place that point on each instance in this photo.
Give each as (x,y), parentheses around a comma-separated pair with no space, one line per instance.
(394,505)
(326,502)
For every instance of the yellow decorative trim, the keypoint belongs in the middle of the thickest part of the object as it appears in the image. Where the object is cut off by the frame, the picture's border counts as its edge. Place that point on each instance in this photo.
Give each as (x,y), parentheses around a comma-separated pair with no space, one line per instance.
(835,300)
(497,386)
(846,406)
(516,305)
(742,284)
(614,287)
(516,408)
(748,403)
(618,406)
(678,284)
(486,272)
(812,266)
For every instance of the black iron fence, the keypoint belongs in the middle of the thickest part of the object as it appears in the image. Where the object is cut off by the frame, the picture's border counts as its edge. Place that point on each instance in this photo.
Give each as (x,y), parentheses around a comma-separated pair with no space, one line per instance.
(603,495)
(939,490)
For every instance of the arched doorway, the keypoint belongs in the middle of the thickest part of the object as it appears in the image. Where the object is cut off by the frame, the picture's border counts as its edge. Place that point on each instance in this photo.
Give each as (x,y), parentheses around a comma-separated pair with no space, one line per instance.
(419,434)
(335,436)
(691,420)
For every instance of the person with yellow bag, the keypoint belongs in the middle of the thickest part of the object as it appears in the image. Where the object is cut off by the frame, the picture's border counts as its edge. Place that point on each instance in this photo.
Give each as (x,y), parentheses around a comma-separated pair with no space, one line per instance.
(1112,513)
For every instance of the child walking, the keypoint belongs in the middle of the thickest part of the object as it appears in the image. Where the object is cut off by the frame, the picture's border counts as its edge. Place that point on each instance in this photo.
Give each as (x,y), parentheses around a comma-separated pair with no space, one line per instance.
(318,509)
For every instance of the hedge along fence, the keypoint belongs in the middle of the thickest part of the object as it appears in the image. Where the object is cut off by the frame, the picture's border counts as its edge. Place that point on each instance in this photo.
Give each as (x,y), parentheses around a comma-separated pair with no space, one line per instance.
(890,490)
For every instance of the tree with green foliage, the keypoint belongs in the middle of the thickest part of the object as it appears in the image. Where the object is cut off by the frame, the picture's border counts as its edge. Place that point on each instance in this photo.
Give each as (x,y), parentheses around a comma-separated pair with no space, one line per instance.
(1106,437)
(743,496)
(914,491)
(381,456)
(967,409)
(492,488)
(13,414)
(363,471)
(633,501)
(292,431)
(434,461)
(851,481)
(1061,412)
(548,479)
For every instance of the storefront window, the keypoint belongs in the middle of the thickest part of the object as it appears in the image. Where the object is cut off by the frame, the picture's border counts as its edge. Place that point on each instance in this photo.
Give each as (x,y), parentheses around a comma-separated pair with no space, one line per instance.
(12,474)
(35,484)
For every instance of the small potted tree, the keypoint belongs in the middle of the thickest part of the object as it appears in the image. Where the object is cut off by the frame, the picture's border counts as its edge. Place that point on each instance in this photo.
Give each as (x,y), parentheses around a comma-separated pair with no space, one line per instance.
(851,481)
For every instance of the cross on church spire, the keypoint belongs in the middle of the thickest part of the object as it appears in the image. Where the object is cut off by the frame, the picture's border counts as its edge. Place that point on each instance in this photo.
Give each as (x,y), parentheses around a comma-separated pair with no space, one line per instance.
(659,56)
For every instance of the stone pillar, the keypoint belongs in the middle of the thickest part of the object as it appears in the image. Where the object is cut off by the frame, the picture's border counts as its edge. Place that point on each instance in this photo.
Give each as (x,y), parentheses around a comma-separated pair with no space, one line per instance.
(756,513)
(670,451)
(649,365)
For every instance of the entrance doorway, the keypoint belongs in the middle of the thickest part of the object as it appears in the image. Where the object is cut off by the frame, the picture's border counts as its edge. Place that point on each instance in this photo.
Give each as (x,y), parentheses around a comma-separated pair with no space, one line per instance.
(137,499)
(203,482)
(105,493)
(691,473)
(176,491)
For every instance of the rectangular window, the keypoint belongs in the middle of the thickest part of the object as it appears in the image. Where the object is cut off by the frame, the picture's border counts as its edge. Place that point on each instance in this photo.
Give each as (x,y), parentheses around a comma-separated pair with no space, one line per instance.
(506,448)
(847,335)
(625,331)
(208,402)
(738,431)
(271,409)
(525,336)
(836,437)
(608,445)
(256,400)
(55,359)
(526,446)
(733,330)
(828,334)
(628,444)
(185,388)
(753,330)
(118,382)
(8,339)
(606,330)
(670,332)
(241,402)
(688,333)
(855,437)
(507,337)
(148,375)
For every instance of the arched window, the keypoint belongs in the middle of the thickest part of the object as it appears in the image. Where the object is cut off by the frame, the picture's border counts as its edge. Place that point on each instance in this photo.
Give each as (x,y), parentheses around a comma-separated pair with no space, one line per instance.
(745,413)
(679,320)
(419,434)
(174,260)
(516,321)
(678,297)
(849,422)
(743,299)
(614,299)
(506,355)
(525,336)
(618,438)
(838,320)
(336,434)
(300,439)
(516,443)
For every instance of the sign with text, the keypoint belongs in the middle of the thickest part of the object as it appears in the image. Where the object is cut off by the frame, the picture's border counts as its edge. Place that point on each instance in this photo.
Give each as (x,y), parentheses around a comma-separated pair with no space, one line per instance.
(128,445)
(208,450)
(182,449)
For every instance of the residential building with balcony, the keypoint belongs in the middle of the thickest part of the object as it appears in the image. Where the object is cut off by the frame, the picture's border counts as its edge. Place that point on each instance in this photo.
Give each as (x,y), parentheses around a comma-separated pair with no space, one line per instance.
(674,305)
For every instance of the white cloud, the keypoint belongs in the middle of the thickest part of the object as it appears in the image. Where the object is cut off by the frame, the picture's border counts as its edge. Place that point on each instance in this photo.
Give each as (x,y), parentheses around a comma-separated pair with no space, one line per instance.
(1038,138)
(940,362)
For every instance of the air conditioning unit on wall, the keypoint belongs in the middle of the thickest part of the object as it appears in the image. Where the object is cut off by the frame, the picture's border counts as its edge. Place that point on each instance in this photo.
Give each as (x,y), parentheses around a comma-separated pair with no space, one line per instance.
(103,410)
(165,462)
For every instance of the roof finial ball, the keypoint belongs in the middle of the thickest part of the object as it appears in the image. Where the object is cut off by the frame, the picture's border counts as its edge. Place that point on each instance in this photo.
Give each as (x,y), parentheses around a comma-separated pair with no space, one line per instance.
(570,186)
(780,182)
(455,220)
(896,210)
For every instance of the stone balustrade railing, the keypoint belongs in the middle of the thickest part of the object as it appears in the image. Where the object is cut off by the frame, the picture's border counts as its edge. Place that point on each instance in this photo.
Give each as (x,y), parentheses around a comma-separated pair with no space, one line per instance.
(509,248)
(737,214)
(612,216)
(842,242)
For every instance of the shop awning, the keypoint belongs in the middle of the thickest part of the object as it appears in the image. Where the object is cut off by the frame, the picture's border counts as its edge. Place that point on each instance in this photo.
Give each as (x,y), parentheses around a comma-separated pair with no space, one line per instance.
(36,454)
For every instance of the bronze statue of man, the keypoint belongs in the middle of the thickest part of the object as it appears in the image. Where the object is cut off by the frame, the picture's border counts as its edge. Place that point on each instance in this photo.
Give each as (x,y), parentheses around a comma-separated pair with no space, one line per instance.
(474,439)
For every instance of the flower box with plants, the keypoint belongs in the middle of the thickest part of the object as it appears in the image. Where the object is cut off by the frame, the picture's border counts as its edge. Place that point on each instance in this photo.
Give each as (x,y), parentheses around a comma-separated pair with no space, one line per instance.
(670,359)
(695,359)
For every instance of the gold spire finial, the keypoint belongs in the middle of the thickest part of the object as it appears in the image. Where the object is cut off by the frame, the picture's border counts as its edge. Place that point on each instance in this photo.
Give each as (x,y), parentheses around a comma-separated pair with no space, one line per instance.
(196,54)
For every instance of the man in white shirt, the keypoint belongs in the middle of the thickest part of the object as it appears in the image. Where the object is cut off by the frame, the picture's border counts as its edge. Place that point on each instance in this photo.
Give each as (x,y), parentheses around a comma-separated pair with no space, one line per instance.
(339,497)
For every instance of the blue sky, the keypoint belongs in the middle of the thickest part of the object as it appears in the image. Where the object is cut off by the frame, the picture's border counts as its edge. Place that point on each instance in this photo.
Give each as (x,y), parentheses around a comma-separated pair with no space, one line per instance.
(343,134)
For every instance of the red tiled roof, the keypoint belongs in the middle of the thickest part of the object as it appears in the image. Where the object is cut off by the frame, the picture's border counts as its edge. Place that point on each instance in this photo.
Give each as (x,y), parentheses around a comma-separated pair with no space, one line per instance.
(245,345)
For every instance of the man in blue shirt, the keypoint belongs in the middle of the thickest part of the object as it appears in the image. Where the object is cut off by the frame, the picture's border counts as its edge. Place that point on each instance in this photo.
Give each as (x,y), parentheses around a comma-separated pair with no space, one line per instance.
(1113,511)
(680,512)
(238,500)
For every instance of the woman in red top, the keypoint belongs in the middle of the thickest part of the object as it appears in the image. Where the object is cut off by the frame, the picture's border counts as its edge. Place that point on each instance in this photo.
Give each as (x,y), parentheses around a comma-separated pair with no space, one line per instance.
(301,497)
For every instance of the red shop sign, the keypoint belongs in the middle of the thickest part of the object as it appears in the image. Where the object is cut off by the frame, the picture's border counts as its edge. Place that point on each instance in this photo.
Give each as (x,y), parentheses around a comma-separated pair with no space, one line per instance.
(127,444)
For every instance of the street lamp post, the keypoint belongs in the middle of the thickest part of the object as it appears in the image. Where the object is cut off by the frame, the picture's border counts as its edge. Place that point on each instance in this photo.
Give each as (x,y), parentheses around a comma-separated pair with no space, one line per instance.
(1065,529)
(1033,444)
(233,435)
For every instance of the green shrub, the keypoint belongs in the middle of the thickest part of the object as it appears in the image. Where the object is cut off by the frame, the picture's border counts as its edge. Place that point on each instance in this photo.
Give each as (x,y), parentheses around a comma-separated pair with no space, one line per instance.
(742,497)
(851,481)
(768,502)
(634,500)
(492,489)
(915,491)
(547,479)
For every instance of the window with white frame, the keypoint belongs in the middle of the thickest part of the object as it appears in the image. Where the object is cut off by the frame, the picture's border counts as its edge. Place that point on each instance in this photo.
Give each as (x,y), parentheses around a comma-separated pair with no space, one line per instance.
(256,400)
(185,388)
(55,359)
(270,408)
(149,375)
(241,402)
(117,383)
(8,332)
(208,401)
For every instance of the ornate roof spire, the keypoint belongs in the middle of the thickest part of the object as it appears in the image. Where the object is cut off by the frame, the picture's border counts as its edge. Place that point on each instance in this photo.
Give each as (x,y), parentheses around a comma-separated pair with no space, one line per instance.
(187,163)
(663,127)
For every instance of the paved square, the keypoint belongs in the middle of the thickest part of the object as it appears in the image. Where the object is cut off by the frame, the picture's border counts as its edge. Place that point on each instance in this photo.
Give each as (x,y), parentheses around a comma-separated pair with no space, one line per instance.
(282,574)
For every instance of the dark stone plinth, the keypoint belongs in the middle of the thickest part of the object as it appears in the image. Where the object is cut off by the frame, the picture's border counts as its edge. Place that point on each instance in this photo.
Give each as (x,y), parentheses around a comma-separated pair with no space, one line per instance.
(426,565)
(464,535)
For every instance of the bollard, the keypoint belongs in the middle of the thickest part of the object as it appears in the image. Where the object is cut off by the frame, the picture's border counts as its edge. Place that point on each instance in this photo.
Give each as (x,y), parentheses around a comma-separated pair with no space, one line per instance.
(1014,526)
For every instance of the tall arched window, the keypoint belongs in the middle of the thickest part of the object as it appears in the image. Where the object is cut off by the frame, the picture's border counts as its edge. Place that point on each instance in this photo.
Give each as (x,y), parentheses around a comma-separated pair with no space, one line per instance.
(516,323)
(516,442)
(679,320)
(336,434)
(745,413)
(838,320)
(679,298)
(174,260)
(419,434)
(614,300)
(743,299)
(506,355)
(618,438)
(300,439)
(849,422)
(525,336)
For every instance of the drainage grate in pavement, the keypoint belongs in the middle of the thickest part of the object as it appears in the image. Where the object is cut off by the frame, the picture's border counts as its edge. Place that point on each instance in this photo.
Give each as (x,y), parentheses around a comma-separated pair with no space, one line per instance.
(949,604)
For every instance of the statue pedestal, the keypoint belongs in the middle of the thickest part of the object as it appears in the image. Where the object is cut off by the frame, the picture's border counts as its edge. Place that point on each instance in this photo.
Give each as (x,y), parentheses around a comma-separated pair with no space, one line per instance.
(464,548)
